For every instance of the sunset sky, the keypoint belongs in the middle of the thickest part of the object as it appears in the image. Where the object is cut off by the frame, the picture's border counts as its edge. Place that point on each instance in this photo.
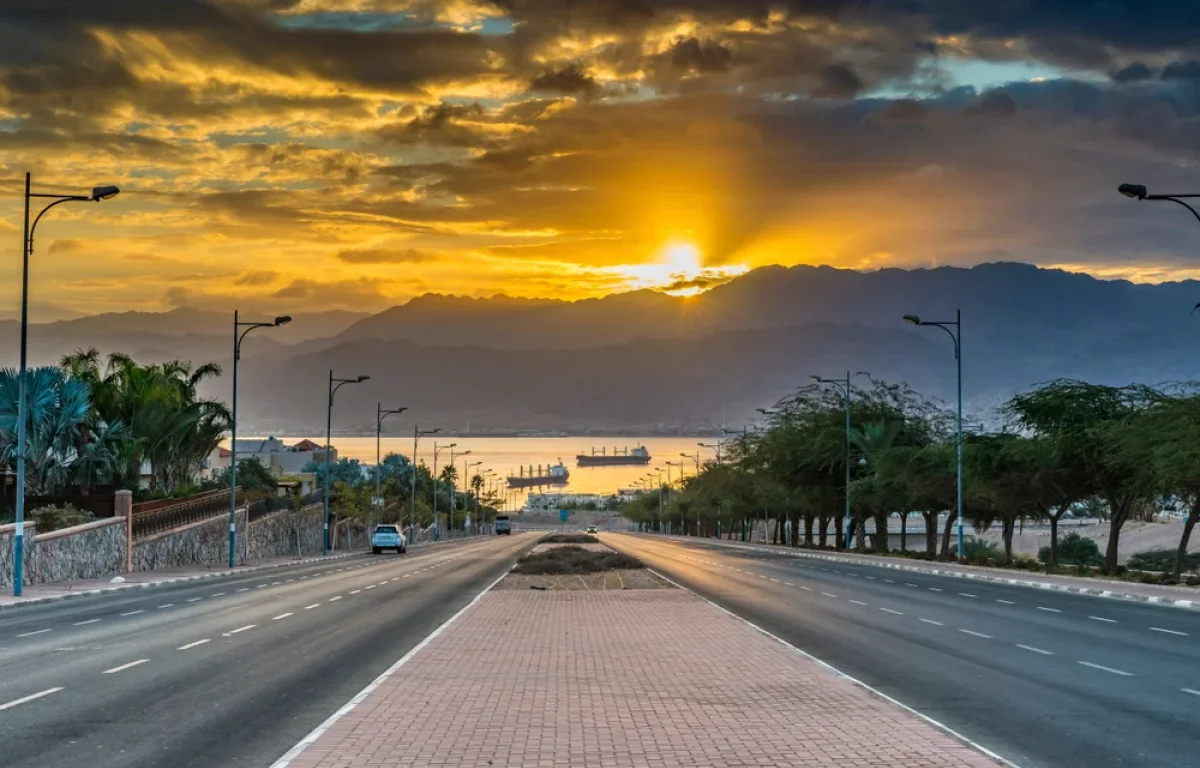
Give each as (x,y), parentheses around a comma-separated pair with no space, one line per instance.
(301,155)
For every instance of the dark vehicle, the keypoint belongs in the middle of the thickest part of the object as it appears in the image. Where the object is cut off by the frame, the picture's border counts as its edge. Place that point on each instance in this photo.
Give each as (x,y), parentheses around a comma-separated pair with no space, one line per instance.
(503,526)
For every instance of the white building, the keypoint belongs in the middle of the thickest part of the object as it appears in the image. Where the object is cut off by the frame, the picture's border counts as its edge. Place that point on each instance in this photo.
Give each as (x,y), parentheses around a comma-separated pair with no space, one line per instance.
(278,457)
(552,502)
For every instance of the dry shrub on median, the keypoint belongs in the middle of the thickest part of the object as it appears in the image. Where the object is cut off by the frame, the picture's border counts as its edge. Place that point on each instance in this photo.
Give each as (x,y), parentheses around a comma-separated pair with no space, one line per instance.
(569,538)
(568,560)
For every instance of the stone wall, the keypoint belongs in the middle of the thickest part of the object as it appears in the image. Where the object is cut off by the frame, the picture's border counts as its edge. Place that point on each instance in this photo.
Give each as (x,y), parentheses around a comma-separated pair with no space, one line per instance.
(7,550)
(89,551)
(276,535)
(198,543)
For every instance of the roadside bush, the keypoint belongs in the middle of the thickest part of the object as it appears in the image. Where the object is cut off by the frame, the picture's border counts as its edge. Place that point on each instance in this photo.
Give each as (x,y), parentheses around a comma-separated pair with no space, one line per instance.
(1026,563)
(570,560)
(1074,549)
(981,552)
(53,517)
(1162,560)
(569,538)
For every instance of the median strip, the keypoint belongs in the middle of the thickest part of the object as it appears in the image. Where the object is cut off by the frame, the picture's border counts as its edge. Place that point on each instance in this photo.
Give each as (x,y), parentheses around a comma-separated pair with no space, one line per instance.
(27,699)
(124,667)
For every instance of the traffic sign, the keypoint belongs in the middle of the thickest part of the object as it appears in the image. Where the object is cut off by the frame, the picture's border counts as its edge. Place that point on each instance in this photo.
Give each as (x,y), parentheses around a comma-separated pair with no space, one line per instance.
(563,515)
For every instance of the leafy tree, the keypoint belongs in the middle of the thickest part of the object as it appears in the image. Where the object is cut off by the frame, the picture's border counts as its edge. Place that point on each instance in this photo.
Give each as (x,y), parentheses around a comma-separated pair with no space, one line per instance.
(251,476)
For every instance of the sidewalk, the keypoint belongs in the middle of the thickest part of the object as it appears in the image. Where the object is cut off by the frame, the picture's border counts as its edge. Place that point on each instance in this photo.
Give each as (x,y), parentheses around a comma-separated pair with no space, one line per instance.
(618,678)
(45,593)
(1160,594)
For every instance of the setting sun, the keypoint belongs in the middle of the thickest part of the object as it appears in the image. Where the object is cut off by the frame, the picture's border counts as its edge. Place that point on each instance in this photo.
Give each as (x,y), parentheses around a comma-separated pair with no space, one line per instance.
(679,272)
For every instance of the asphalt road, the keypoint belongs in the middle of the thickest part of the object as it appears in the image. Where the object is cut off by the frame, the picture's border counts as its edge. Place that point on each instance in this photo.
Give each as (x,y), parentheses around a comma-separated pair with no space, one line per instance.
(221,672)
(1045,679)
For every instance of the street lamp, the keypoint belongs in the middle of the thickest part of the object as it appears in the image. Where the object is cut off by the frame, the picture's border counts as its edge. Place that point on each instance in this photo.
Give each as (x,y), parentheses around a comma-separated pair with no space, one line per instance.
(437,527)
(412,496)
(454,488)
(695,458)
(467,484)
(1138,192)
(106,192)
(238,335)
(380,415)
(334,386)
(956,335)
(715,446)
(846,387)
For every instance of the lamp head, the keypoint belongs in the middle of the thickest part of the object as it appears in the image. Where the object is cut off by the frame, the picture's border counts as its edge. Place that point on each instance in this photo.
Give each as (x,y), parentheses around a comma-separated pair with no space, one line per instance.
(283,320)
(1137,191)
(816,379)
(914,319)
(451,445)
(105,192)
(361,379)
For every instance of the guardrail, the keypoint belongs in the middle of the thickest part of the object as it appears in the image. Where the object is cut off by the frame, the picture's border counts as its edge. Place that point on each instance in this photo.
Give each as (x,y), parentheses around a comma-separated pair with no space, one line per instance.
(159,516)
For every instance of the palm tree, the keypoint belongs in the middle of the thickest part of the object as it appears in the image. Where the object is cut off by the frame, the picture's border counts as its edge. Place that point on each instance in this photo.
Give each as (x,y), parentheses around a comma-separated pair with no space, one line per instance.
(873,439)
(57,408)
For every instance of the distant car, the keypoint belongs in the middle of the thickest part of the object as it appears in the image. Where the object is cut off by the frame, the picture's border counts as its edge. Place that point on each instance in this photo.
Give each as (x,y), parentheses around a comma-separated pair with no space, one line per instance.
(503,526)
(388,537)
(591,529)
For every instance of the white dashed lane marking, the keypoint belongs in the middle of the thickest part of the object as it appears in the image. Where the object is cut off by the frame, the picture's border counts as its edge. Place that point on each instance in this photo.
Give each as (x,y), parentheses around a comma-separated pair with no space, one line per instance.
(975,634)
(124,667)
(1101,618)
(889,610)
(281,616)
(935,623)
(192,645)
(1168,631)
(132,613)
(240,629)
(27,699)
(1102,668)
(1048,610)
(1035,650)
(82,623)
(35,632)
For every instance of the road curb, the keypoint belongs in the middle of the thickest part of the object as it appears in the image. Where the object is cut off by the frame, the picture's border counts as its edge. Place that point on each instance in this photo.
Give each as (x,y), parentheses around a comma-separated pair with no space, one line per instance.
(176,580)
(1168,602)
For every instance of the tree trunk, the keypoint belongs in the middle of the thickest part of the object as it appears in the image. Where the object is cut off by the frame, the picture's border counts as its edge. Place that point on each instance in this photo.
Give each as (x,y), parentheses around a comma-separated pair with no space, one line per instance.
(903,531)
(860,535)
(1054,539)
(808,530)
(950,520)
(880,544)
(1009,524)
(823,531)
(1188,525)
(1119,510)
(931,522)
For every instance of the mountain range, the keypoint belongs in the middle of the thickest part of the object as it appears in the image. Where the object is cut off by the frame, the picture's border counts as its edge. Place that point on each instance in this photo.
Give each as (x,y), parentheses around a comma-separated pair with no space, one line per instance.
(649,362)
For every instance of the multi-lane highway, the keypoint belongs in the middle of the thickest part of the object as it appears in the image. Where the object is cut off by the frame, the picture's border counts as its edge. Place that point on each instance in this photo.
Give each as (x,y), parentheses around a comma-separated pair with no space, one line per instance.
(1046,679)
(221,672)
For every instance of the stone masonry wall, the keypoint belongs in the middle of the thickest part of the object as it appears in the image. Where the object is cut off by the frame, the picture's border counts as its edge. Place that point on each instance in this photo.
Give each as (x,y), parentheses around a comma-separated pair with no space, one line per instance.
(275,536)
(6,554)
(89,551)
(198,543)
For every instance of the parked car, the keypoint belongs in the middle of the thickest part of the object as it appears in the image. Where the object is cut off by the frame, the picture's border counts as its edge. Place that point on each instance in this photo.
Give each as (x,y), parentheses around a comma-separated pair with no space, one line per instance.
(388,537)
(503,525)
(591,529)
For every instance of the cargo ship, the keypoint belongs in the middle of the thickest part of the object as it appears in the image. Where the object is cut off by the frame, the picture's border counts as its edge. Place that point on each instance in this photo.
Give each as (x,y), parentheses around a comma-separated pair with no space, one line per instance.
(554,474)
(638,455)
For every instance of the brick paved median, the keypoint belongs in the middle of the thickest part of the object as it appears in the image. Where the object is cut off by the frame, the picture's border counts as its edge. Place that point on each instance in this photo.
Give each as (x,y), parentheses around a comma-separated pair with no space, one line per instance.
(621,678)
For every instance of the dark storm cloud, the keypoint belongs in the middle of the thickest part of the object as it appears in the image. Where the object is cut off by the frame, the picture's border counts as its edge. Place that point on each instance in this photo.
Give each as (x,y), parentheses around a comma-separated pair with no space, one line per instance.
(571,79)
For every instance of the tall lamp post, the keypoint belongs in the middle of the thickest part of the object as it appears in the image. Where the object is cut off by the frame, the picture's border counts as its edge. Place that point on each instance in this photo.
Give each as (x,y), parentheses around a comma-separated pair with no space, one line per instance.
(106,192)
(694,457)
(467,484)
(437,526)
(956,335)
(717,446)
(1138,192)
(680,465)
(454,487)
(238,335)
(380,414)
(334,386)
(845,386)
(412,496)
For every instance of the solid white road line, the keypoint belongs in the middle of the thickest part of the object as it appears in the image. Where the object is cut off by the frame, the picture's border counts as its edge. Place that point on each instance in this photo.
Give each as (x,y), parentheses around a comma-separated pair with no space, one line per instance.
(27,699)
(1035,650)
(281,616)
(1102,668)
(1048,610)
(89,621)
(132,613)
(975,634)
(192,645)
(1101,618)
(37,632)
(931,621)
(240,629)
(1168,631)
(123,667)
(889,610)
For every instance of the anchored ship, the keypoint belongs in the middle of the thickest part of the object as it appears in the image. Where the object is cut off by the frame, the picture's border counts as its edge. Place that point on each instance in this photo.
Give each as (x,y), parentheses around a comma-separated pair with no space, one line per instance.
(638,455)
(553,474)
